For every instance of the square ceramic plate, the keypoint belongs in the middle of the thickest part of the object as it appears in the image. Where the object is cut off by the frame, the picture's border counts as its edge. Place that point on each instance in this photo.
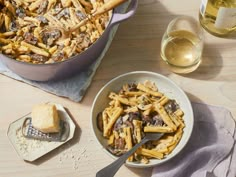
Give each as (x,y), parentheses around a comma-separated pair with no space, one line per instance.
(32,149)
(166,86)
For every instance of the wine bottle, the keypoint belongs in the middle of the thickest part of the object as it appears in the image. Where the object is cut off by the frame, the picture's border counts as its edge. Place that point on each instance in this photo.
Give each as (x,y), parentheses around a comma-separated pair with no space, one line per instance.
(218,17)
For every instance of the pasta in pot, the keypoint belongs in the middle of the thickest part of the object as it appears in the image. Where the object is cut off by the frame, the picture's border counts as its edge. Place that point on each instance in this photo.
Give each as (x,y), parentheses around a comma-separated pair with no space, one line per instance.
(135,110)
(24,35)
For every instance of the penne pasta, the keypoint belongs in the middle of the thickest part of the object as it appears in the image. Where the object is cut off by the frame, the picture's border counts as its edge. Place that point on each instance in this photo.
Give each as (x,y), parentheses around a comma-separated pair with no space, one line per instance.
(113,118)
(163,100)
(66,3)
(122,100)
(137,130)
(10,7)
(158,129)
(179,112)
(34,49)
(150,153)
(131,114)
(7,21)
(148,90)
(35,5)
(165,117)
(5,41)
(51,4)
(128,140)
(39,23)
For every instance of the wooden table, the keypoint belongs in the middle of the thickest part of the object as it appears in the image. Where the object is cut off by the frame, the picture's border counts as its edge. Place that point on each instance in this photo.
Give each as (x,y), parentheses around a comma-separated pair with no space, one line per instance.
(136,46)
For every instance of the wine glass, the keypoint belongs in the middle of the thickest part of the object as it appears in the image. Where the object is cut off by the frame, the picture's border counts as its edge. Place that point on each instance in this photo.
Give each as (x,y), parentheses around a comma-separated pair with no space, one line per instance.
(182,44)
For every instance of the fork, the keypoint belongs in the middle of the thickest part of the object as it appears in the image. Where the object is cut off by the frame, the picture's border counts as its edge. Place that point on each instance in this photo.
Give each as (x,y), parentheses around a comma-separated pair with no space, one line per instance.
(110,170)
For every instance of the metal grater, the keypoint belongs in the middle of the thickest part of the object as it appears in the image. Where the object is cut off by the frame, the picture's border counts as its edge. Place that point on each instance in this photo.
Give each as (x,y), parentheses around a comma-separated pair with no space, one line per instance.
(29,131)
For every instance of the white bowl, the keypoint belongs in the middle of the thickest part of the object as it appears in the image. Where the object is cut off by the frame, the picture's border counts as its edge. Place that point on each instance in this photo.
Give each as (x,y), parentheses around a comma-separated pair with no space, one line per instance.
(166,86)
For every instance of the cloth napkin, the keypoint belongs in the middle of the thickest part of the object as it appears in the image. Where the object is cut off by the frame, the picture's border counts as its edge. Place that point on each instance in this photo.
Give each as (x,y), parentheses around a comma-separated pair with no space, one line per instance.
(211,150)
(75,87)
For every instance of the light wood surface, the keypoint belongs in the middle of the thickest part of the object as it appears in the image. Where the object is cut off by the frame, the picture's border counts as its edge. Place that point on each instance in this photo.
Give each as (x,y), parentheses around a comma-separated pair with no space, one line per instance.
(136,46)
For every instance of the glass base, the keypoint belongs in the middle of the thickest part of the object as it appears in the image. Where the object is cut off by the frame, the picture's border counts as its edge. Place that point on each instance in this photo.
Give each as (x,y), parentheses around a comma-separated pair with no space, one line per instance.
(183,70)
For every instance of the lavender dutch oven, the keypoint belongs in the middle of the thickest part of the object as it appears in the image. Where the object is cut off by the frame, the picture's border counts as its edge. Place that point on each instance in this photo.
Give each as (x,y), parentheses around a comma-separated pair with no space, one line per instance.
(65,69)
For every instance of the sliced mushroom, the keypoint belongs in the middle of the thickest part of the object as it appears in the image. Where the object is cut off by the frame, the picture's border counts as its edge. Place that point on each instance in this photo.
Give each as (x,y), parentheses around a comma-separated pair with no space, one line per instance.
(150,85)
(20,12)
(39,58)
(80,15)
(59,57)
(118,123)
(129,124)
(49,37)
(42,19)
(85,43)
(134,116)
(56,10)
(133,87)
(120,143)
(147,119)
(114,151)
(157,120)
(100,122)
(29,38)
(171,106)
(64,13)
(13,26)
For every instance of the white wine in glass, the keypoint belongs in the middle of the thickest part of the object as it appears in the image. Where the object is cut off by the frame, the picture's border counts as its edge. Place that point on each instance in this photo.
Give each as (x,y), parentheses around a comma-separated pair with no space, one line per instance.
(181,46)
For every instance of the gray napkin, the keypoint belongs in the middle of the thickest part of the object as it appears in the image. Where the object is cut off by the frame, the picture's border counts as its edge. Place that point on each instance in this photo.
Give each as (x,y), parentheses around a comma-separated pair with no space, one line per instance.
(211,150)
(75,87)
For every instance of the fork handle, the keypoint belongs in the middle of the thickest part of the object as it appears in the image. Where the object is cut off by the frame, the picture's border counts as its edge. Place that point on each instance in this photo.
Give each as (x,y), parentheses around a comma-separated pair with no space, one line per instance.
(110,170)
(104,8)
(111,4)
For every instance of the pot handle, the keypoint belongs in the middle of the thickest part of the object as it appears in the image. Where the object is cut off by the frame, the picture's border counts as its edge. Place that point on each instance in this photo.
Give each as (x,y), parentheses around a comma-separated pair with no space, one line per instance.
(118,17)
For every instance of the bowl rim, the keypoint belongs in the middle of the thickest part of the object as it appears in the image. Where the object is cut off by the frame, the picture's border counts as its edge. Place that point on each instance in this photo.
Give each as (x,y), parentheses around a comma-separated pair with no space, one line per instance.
(187,138)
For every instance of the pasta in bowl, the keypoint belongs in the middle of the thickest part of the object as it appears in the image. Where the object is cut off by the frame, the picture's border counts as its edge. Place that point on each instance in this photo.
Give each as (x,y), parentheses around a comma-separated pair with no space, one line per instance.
(139,102)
